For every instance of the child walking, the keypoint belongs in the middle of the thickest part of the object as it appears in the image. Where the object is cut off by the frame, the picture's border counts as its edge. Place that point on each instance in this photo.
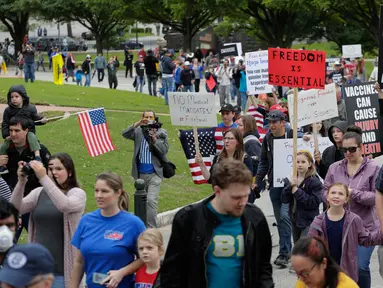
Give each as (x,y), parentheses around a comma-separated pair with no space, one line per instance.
(18,104)
(20,65)
(150,249)
(304,193)
(79,76)
(343,230)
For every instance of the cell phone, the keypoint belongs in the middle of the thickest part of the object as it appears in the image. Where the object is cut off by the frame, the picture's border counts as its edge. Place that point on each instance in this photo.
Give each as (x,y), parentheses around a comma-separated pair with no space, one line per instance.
(97,278)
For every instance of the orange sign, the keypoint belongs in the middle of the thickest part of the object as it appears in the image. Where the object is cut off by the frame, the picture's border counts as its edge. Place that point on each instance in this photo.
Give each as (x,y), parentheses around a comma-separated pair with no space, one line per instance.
(297,68)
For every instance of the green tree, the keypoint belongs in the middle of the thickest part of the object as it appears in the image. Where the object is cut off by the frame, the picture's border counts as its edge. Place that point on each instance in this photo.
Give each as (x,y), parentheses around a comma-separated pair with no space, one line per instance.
(187,17)
(14,14)
(101,17)
(274,23)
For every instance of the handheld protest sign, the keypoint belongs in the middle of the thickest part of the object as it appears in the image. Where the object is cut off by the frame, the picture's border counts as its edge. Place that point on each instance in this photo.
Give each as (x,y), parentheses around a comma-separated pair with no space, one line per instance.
(362,106)
(297,68)
(257,74)
(380,65)
(228,50)
(192,109)
(295,131)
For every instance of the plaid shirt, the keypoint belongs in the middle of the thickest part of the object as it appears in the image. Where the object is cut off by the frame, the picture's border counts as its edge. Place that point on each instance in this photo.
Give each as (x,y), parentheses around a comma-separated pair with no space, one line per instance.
(379,181)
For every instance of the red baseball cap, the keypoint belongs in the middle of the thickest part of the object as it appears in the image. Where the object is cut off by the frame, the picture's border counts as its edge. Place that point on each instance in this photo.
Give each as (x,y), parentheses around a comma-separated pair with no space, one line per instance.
(278,107)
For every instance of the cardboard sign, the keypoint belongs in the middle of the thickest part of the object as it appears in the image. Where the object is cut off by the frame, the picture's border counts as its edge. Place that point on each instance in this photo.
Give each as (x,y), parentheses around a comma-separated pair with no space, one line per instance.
(192,109)
(229,50)
(352,51)
(315,105)
(239,47)
(257,72)
(297,68)
(283,156)
(362,104)
(330,64)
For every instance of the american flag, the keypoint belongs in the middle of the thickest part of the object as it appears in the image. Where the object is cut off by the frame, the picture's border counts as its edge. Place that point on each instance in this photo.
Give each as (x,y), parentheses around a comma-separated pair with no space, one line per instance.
(259,119)
(95,131)
(208,146)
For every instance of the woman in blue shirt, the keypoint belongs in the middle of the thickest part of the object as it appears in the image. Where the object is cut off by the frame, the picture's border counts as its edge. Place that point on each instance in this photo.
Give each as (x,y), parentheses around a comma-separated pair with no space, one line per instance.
(106,239)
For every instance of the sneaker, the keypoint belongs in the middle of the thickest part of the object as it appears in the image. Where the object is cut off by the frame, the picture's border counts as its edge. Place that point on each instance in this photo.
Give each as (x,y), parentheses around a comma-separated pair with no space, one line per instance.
(3,170)
(38,158)
(282,261)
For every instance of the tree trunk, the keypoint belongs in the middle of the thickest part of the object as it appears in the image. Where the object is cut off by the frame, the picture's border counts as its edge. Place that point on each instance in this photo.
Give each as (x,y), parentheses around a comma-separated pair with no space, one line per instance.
(187,43)
(99,47)
(69,29)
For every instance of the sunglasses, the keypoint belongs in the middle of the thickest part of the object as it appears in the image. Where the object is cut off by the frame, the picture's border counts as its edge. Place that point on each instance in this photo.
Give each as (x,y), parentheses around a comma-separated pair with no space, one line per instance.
(349,149)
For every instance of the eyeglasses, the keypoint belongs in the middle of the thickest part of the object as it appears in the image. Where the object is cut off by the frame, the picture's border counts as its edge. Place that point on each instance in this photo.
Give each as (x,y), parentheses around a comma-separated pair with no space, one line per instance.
(228,138)
(349,149)
(302,274)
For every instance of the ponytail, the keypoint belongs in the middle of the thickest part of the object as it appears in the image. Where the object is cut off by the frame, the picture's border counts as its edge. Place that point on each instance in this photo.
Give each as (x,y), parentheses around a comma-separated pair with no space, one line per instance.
(123,201)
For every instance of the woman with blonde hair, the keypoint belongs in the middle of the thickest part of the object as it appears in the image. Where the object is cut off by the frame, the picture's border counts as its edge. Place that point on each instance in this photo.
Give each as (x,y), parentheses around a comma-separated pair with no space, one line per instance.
(106,239)
(303,192)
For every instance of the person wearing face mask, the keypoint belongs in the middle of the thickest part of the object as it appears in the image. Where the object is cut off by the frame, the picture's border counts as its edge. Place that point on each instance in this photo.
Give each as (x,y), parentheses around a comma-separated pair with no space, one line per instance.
(9,217)
(56,209)
(359,174)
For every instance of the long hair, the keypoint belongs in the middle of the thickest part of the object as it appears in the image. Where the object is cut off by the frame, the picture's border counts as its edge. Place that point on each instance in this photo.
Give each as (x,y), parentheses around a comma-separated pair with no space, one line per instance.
(114,181)
(239,150)
(316,250)
(249,123)
(311,171)
(360,66)
(68,164)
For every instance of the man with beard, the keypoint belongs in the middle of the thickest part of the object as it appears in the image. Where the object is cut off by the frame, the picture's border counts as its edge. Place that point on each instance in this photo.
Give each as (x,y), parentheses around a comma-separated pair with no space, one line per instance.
(222,241)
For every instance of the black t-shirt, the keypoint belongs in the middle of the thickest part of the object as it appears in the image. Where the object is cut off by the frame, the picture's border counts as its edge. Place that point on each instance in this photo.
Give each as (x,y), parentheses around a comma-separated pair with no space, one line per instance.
(334,234)
(336,76)
(140,68)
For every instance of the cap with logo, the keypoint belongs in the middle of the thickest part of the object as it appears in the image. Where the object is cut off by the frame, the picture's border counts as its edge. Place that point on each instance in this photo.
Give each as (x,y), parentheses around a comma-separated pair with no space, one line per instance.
(237,109)
(278,107)
(227,108)
(171,51)
(24,262)
(276,115)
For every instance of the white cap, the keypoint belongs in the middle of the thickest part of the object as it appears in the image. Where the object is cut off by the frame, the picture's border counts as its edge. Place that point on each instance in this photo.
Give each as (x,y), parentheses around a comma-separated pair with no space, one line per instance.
(88,56)
(187,63)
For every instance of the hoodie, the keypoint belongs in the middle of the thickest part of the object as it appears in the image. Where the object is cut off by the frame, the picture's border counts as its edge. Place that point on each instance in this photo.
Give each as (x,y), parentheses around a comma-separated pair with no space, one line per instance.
(363,189)
(353,233)
(252,144)
(27,110)
(343,282)
(331,154)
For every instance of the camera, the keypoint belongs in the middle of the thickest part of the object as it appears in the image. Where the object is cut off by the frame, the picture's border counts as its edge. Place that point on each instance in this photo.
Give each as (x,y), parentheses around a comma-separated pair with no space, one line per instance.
(27,170)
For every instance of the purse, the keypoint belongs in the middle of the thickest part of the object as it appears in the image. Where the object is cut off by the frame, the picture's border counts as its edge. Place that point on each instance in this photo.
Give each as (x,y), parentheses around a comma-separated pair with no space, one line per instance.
(168,168)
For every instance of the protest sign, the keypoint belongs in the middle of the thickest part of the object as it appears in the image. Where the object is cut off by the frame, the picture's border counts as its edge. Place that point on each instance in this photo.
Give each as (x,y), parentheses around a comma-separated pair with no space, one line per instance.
(330,64)
(257,76)
(314,105)
(297,68)
(283,156)
(192,109)
(362,105)
(352,51)
(239,47)
(229,50)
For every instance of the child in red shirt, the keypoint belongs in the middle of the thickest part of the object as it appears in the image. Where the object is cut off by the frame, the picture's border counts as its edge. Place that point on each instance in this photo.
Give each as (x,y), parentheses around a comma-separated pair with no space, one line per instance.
(150,249)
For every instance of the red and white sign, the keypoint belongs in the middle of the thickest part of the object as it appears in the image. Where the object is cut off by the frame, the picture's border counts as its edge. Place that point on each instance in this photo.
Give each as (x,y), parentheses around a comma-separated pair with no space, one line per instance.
(297,68)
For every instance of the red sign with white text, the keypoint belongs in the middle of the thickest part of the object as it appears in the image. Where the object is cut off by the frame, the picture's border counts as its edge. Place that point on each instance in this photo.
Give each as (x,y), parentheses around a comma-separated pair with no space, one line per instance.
(297,68)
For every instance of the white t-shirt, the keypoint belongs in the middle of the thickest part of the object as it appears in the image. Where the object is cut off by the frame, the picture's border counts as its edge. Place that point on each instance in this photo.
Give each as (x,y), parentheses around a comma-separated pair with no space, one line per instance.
(1,60)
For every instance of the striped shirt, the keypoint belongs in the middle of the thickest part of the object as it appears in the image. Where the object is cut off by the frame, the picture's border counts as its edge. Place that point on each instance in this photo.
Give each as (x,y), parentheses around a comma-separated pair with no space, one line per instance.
(5,192)
(145,158)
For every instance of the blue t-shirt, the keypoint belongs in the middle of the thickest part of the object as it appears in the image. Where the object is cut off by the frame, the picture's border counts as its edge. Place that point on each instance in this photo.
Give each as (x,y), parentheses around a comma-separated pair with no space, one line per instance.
(145,164)
(225,254)
(334,235)
(107,243)
(221,125)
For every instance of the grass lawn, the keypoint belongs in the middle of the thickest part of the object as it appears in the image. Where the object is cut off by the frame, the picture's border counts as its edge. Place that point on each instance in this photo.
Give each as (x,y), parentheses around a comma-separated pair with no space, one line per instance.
(44,92)
(65,136)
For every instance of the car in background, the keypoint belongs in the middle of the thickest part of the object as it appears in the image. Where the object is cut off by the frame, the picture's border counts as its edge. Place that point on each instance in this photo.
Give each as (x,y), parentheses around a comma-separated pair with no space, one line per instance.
(132,45)
(45,42)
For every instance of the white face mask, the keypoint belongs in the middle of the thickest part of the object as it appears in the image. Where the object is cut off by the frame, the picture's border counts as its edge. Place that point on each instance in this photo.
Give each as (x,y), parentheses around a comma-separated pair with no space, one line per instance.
(6,239)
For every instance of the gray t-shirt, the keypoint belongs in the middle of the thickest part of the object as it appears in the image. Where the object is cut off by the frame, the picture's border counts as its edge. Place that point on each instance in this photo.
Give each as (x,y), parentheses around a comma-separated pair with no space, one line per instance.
(196,72)
(49,224)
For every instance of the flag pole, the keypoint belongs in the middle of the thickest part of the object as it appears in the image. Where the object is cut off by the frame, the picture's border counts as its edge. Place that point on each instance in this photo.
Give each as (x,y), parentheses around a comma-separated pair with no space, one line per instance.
(68,115)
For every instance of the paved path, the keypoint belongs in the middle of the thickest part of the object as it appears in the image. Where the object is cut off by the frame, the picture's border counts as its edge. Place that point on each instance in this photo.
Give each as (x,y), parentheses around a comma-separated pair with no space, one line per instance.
(282,277)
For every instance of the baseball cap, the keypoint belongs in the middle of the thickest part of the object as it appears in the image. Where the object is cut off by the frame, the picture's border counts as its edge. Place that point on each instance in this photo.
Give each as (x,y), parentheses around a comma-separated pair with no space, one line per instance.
(88,56)
(276,115)
(278,107)
(171,51)
(227,108)
(187,63)
(237,109)
(24,262)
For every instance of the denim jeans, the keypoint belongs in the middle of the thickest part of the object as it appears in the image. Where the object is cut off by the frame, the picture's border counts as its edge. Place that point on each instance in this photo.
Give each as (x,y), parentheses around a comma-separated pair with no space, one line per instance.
(233,91)
(189,88)
(364,257)
(140,80)
(152,83)
(87,79)
(281,213)
(242,101)
(58,282)
(100,75)
(29,71)
(168,85)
